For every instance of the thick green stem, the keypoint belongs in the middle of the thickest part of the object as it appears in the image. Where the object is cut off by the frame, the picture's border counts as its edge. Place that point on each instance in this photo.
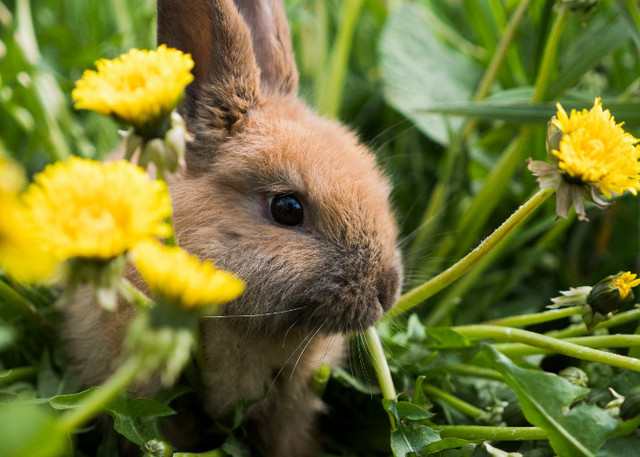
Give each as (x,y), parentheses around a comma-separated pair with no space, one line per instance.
(599,341)
(581,329)
(551,344)
(101,397)
(453,401)
(478,432)
(379,362)
(417,295)
(535,318)
(478,372)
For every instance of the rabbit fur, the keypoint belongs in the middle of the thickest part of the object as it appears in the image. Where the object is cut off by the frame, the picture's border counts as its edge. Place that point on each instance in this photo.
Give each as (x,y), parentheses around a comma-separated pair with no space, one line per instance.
(253,139)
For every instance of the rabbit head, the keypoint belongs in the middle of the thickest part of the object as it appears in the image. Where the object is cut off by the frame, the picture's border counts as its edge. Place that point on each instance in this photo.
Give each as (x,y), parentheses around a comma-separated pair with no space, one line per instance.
(289,201)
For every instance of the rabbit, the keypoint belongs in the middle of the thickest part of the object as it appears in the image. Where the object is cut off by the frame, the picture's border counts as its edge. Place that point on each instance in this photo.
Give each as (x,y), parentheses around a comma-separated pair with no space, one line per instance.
(289,201)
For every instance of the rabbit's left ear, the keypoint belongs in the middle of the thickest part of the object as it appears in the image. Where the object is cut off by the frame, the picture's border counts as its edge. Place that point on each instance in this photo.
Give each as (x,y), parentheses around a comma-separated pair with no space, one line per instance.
(271,39)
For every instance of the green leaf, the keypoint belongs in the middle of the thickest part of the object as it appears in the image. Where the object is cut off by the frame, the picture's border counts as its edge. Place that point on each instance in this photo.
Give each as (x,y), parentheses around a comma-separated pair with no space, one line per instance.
(136,418)
(547,401)
(445,338)
(419,71)
(598,41)
(445,444)
(412,438)
(623,447)
(345,378)
(405,410)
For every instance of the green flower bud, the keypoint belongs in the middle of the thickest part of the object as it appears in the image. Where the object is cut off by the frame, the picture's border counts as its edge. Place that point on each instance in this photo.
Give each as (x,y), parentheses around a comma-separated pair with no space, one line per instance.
(157,448)
(612,293)
(630,407)
(575,376)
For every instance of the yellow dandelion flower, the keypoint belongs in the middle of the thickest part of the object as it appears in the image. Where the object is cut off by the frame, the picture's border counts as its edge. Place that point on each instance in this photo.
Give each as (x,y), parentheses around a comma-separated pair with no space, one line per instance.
(140,88)
(593,156)
(94,210)
(21,254)
(624,282)
(597,151)
(181,279)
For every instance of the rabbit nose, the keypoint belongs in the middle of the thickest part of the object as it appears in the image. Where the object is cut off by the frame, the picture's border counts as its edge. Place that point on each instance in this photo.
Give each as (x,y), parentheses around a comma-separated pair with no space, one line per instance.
(389,287)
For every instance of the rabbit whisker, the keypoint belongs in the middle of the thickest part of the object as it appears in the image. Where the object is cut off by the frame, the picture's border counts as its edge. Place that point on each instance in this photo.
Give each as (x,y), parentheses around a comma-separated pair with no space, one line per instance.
(272,313)
(304,349)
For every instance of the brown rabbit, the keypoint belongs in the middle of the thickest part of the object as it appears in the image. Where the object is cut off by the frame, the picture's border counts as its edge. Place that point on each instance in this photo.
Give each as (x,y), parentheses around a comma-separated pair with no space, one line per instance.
(290,202)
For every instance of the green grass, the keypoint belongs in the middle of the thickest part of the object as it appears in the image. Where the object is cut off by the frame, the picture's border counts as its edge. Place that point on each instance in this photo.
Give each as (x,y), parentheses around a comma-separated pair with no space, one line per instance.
(453,97)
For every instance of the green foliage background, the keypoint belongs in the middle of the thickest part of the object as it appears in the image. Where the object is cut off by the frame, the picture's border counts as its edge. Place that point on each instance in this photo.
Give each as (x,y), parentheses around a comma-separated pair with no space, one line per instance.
(405,75)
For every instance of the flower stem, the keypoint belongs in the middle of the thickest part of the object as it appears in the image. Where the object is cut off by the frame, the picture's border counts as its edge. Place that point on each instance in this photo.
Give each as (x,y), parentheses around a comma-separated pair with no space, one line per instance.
(453,401)
(478,372)
(417,295)
(547,343)
(379,361)
(535,318)
(581,329)
(599,341)
(479,432)
(101,397)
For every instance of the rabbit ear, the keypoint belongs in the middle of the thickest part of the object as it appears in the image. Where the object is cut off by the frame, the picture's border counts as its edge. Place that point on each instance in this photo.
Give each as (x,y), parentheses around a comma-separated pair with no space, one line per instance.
(271,43)
(226,75)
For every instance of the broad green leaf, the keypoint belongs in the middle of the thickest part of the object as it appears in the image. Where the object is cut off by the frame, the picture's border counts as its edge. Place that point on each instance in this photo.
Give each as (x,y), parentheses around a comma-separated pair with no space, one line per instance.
(548,402)
(71,400)
(419,71)
(445,338)
(29,430)
(412,438)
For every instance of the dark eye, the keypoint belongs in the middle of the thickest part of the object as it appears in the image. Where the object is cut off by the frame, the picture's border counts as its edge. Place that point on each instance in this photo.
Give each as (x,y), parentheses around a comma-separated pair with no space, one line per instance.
(286,210)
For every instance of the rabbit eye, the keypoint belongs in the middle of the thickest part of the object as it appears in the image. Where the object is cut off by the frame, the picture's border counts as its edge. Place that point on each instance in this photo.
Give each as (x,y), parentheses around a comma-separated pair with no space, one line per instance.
(286,210)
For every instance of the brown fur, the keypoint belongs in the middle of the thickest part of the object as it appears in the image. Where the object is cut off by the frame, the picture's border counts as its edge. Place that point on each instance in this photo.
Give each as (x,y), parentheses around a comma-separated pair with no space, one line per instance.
(253,139)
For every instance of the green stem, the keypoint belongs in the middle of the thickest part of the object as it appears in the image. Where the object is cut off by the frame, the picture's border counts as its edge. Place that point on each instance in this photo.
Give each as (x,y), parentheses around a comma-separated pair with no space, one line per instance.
(581,329)
(23,306)
(213,453)
(440,192)
(453,401)
(379,361)
(598,341)
(535,318)
(544,342)
(329,95)
(549,57)
(478,432)
(16,374)
(101,397)
(501,51)
(478,372)
(417,295)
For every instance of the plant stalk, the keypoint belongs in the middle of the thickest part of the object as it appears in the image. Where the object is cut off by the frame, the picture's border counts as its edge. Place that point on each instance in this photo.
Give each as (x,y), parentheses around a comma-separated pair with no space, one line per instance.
(417,295)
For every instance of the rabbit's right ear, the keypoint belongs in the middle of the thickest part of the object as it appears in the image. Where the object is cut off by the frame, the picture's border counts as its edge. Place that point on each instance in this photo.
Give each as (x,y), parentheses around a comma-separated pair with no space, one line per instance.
(226,76)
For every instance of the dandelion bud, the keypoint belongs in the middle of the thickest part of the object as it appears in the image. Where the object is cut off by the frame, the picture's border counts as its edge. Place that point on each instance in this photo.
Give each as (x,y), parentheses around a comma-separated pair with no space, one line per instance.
(612,293)
(157,448)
